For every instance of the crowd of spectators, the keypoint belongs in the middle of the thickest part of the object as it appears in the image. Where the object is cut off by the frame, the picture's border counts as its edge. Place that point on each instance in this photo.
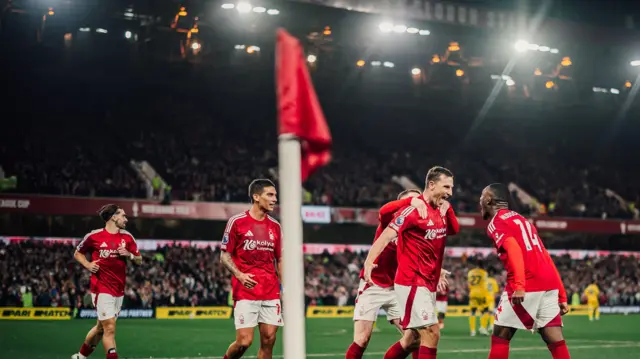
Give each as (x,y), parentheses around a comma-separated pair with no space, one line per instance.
(36,274)
(210,149)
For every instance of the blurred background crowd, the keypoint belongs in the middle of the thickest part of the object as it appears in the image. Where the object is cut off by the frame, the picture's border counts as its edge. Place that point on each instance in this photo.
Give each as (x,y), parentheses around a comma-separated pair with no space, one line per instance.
(33,274)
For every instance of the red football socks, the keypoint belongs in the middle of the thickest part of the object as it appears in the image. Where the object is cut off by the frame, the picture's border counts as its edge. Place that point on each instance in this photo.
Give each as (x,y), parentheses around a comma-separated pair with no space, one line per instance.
(499,348)
(396,352)
(86,350)
(559,350)
(113,355)
(354,352)
(225,357)
(427,353)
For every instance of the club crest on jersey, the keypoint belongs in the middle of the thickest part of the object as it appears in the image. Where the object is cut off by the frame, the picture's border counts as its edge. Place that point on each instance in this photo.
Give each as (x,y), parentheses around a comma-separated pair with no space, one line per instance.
(123,244)
(400,220)
(225,238)
(271,236)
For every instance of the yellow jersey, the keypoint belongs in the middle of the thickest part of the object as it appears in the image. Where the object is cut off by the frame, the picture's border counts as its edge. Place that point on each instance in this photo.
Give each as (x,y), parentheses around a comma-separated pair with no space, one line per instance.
(492,288)
(477,280)
(592,292)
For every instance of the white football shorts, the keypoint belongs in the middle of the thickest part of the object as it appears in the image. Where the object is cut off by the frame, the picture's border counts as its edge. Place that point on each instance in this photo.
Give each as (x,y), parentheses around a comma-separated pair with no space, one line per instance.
(371,298)
(538,310)
(248,313)
(107,306)
(419,306)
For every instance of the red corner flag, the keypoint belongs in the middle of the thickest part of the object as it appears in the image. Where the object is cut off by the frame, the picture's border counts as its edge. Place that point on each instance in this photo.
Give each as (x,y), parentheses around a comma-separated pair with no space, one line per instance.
(299,112)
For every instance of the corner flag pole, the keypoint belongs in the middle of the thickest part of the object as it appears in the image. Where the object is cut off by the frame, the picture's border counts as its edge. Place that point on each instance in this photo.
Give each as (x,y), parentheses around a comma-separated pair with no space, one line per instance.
(289,156)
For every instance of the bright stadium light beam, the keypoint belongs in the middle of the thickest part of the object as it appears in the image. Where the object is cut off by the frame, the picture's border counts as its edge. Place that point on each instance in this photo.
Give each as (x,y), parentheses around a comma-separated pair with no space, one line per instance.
(635,63)
(413,30)
(614,91)
(416,71)
(521,45)
(399,29)
(389,64)
(243,7)
(228,6)
(195,45)
(385,27)
(510,82)
(102,31)
(312,58)
(376,63)
(127,34)
(273,12)
(259,9)
(424,32)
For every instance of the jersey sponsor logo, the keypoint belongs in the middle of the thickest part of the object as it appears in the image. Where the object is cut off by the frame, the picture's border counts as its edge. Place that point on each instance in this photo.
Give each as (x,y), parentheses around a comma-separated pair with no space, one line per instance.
(432,234)
(252,244)
(108,253)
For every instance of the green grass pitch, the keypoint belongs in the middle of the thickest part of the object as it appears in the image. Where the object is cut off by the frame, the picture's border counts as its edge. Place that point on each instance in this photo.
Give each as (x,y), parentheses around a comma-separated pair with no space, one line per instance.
(612,337)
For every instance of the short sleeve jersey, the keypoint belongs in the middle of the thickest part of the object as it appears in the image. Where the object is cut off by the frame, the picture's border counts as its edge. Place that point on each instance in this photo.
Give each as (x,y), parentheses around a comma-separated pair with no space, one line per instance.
(255,248)
(103,246)
(421,244)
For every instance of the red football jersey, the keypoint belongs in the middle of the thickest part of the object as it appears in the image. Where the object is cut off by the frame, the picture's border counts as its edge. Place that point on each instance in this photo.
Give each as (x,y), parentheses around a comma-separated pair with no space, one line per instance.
(112,275)
(384,274)
(255,246)
(421,245)
(540,272)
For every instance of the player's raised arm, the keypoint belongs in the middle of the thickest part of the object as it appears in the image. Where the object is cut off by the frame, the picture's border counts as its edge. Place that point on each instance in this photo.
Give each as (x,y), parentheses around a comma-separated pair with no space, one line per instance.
(453,227)
(379,245)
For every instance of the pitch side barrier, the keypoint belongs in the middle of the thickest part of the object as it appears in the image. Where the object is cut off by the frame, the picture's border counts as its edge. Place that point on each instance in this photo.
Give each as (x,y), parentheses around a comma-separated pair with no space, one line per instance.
(165,313)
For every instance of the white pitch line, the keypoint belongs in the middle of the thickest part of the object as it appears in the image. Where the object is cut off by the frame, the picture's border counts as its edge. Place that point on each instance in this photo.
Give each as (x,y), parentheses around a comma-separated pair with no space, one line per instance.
(453,351)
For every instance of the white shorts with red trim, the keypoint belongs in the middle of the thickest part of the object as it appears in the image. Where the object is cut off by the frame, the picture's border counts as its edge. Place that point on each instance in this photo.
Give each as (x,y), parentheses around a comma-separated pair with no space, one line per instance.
(441,306)
(419,306)
(371,298)
(538,310)
(248,313)
(107,306)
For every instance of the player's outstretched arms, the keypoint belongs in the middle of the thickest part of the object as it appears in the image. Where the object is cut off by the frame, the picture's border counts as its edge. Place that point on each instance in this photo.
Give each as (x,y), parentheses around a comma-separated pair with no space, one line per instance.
(245,278)
(92,267)
(378,246)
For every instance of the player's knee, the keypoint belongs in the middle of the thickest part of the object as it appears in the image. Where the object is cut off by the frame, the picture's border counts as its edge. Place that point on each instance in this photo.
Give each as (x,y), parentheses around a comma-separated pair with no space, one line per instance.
(432,333)
(99,329)
(410,340)
(267,340)
(244,340)
(362,339)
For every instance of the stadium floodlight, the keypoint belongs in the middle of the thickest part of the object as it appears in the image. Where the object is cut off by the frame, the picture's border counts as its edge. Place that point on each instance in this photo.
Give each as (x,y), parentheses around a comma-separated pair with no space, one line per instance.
(385,27)
(399,29)
(239,47)
(521,45)
(376,63)
(84,29)
(510,82)
(127,34)
(312,58)
(635,63)
(102,31)
(273,12)
(533,47)
(228,6)
(413,30)
(544,48)
(600,89)
(554,51)
(252,49)
(259,9)
(389,64)
(360,63)
(614,91)
(195,46)
(416,71)
(244,7)
(424,32)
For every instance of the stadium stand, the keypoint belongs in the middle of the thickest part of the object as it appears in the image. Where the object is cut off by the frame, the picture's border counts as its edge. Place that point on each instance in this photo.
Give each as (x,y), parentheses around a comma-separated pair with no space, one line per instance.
(35,274)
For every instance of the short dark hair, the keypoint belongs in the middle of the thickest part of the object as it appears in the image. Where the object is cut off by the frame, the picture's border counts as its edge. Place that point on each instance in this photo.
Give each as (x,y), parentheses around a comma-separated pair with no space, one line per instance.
(407,191)
(434,173)
(258,185)
(501,194)
(107,211)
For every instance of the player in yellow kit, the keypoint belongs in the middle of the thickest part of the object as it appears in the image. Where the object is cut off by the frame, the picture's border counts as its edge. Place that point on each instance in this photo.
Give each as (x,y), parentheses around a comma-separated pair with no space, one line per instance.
(592,293)
(492,289)
(477,281)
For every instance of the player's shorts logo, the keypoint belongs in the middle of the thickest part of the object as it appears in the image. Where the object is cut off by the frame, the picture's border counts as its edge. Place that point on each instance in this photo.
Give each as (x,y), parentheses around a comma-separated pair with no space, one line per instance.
(425,315)
(241,319)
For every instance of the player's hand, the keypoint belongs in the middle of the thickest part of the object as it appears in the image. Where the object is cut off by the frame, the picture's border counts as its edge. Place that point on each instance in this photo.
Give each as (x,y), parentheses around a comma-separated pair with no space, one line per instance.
(123,252)
(247,280)
(368,268)
(93,267)
(443,282)
(420,205)
(444,207)
(564,308)
(517,297)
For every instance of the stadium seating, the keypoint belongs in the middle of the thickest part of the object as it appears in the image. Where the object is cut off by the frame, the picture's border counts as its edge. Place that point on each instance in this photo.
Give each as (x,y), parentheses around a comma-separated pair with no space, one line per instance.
(194,277)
